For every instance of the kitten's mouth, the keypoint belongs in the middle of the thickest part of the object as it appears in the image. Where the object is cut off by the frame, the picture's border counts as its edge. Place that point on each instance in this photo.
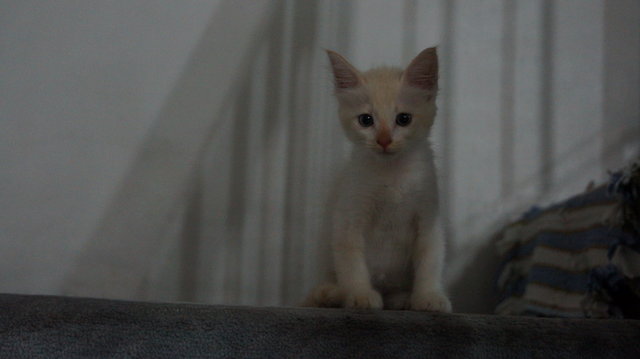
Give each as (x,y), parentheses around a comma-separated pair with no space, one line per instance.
(386,152)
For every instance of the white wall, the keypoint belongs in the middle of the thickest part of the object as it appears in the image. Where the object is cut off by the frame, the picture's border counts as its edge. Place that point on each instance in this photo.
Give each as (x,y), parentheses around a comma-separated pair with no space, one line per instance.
(81,83)
(537,99)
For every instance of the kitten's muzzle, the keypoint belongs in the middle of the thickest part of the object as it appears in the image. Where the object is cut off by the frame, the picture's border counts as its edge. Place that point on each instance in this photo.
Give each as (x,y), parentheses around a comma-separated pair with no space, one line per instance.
(384,141)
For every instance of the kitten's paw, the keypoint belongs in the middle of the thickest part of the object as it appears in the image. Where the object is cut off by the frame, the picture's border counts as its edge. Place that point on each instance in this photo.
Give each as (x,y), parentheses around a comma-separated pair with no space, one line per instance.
(365,299)
(326,295)
(434,301)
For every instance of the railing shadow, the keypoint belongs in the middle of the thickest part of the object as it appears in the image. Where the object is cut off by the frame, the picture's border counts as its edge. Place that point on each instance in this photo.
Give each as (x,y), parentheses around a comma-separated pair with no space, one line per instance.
(118,256)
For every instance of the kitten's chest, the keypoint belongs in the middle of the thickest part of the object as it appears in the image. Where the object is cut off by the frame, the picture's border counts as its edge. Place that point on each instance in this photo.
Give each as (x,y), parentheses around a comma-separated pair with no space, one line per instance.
(393,191)
(392,217)
(392,226)
(389,239)
(392,206)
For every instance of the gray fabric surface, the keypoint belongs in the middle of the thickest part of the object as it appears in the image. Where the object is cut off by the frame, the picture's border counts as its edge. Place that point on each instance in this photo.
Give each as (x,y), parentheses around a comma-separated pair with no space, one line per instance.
(62,327)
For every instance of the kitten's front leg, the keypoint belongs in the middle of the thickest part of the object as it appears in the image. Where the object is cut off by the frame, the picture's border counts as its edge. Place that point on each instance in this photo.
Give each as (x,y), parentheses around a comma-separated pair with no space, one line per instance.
(352,273)
(428,260)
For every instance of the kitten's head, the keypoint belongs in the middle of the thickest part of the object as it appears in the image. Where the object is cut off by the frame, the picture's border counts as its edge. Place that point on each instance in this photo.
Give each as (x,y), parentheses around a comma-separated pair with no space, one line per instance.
(386,109)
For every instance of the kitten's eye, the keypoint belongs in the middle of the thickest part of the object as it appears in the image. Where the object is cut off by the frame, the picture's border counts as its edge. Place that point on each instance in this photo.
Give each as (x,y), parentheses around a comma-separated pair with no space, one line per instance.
(403,119)
(365,120)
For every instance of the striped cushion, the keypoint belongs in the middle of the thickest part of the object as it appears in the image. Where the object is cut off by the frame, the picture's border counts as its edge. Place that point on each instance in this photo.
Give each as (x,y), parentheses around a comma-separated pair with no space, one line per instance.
(550,256)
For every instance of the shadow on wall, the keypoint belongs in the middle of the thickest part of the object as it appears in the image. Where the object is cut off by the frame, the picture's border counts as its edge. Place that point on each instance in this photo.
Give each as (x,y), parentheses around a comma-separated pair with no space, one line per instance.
(117,259)
(472,287)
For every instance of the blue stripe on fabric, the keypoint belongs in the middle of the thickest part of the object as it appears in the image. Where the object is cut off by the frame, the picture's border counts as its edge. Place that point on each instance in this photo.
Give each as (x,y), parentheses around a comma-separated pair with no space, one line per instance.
(542,311)
(560,279)
(578,241)
(554,278)
(599,195)
(603,236)
(598,237)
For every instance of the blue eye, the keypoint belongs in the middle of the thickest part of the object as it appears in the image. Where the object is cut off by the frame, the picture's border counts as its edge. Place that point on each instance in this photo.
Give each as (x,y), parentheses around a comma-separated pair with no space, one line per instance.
(403,119)
(365,120)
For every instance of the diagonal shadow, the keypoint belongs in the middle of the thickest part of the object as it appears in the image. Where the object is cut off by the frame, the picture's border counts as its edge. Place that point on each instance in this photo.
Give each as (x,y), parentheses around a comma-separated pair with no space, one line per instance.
(118,255)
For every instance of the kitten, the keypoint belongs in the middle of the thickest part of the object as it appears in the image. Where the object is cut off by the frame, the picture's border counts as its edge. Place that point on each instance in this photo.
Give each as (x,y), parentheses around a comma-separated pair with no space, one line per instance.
(386,239)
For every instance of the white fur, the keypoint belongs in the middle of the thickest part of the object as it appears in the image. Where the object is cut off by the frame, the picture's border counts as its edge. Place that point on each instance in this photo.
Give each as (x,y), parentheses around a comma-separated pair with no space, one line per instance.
(387,245)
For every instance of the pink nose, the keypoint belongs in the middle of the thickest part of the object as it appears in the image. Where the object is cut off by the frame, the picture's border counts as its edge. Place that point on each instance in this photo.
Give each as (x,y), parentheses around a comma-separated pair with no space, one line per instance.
(384,141)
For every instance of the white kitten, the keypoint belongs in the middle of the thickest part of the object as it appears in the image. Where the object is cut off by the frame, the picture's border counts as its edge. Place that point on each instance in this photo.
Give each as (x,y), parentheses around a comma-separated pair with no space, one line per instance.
(386,240)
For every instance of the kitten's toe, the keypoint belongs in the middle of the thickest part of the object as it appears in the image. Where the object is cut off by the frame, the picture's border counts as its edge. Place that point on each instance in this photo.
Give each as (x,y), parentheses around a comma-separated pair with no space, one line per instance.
(326,295)
(434,301)
(366,299)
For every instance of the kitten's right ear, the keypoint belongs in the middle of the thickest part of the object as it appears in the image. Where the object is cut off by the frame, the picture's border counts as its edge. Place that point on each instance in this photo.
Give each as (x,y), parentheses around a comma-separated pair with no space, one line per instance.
(344,74)
(422,72)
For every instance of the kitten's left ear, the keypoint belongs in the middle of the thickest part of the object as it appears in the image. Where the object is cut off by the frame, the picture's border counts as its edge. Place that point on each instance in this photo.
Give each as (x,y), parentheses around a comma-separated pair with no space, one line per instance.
(345,75)
(422,72)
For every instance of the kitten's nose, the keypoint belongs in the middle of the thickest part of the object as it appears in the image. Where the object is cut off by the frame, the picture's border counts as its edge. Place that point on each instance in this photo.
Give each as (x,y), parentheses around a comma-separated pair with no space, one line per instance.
(384,140)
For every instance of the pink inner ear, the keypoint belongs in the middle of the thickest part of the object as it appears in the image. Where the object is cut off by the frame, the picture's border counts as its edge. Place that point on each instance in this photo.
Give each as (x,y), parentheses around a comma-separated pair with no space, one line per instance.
(423,78)
(344,79)
(422,72)
(344,74)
